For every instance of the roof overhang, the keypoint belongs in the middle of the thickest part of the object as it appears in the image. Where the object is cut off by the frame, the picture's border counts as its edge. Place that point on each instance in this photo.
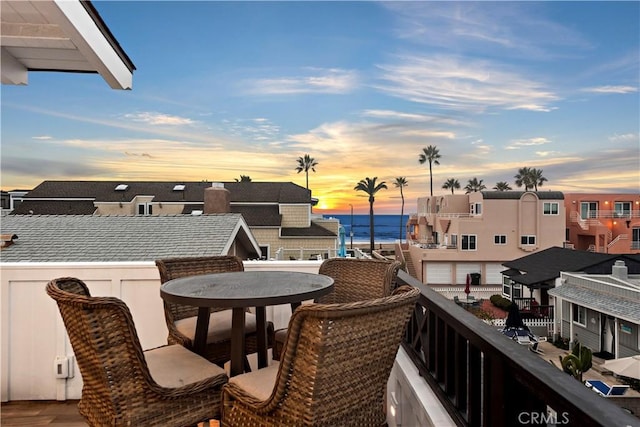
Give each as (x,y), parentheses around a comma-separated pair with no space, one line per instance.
(59,35)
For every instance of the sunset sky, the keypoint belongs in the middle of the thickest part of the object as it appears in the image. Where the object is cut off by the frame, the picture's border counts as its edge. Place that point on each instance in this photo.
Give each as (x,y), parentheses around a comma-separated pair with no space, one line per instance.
(224,89)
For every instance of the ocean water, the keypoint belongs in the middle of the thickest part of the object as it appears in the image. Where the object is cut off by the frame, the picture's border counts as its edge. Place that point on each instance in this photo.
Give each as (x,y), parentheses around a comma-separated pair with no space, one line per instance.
(386,227)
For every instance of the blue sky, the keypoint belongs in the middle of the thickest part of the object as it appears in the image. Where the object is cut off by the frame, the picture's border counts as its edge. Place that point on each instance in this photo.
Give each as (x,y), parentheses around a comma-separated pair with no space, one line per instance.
(224,89)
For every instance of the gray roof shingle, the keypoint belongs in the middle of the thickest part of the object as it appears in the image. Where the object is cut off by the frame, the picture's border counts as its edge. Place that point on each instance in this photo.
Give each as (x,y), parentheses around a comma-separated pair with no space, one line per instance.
(603,302)
(87,238)
(105,191)
(547,264)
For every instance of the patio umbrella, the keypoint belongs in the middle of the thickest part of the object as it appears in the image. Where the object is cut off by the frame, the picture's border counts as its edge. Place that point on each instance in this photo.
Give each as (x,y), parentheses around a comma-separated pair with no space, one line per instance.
(342,249)
(625,366)
(467,290)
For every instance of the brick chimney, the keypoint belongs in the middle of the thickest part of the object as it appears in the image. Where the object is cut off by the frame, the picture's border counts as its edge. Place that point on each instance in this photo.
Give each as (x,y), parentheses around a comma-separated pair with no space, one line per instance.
(217,199)
(620,271)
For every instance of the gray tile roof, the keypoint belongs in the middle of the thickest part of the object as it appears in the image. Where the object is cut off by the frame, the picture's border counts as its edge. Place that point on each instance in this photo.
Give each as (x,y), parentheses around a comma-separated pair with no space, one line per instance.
(603,302)
(80,238)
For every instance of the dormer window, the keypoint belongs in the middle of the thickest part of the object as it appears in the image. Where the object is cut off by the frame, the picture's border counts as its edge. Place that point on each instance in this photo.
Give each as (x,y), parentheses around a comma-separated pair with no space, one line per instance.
(178,187)
(121,187)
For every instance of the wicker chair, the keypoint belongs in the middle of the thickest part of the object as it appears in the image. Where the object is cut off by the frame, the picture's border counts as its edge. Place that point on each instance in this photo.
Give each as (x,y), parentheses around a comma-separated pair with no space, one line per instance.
(122,385)
(181,319)
(354,280)
(334,368)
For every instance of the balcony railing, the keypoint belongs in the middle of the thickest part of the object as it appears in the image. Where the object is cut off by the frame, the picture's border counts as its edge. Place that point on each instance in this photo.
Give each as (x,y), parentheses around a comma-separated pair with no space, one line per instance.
(530,309)
(484,379)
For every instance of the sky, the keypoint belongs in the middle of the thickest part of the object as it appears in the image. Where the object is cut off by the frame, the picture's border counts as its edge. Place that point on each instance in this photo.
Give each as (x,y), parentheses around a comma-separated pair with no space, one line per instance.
(224,89)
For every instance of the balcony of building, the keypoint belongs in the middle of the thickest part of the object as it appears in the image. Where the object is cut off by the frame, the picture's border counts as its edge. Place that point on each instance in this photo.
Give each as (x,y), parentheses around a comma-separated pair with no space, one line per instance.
(451,369)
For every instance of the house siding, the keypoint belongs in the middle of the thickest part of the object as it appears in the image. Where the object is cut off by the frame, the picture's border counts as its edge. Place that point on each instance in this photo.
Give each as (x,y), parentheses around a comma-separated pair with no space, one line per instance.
(295,215)
(628,342)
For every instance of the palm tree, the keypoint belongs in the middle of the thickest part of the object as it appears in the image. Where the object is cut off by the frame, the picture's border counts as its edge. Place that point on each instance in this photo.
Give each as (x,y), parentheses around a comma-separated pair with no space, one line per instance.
(531,178)
(431,155)
(502,186)
(304,164)
(451,184)
(369,186)
(244,178)
(401,182)
(523,177)
(474,185)
(537,179)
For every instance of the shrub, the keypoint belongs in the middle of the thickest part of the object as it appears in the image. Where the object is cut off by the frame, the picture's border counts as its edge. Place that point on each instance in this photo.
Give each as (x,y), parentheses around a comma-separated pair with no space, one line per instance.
(500,302)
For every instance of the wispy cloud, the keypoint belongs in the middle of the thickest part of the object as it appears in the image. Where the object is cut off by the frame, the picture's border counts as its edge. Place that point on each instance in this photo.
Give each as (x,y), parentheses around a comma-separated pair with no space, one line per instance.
(518,29)
(611,89)
(626,137)
(42,138)
(153,118)
(467,85)
(530,142)
(413,117)
(315,80)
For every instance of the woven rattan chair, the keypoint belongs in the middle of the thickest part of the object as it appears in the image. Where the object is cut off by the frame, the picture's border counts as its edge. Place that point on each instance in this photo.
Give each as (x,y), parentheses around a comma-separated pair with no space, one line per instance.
(354,279)
(181,319)
(333,371)
(122,385)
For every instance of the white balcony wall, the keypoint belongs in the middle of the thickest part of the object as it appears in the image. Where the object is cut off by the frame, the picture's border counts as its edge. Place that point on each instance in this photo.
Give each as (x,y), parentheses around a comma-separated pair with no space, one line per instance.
(33,334)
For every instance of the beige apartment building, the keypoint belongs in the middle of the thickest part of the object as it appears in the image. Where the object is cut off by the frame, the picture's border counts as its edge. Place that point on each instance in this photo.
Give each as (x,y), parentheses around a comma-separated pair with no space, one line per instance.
(454,235)
(606,223)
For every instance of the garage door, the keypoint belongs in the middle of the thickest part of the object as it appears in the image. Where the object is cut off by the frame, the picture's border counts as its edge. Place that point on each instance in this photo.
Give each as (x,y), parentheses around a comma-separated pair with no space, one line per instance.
(463,268)
(493,274)
(438,273)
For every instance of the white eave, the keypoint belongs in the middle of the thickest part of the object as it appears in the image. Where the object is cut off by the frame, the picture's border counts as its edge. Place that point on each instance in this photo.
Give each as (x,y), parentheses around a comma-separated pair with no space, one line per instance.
(59,35)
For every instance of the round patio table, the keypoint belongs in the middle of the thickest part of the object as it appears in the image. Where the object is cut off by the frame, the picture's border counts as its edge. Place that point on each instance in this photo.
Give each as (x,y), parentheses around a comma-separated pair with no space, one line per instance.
(239,290)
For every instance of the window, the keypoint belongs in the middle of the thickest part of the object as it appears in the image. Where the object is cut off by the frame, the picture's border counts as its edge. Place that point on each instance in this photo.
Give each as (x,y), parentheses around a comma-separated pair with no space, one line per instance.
(527,240)
(635,238)
(500,239)
(476,209)
(510,288)
(622,209)
(145,209)
(454,240)
(551,208)
(579,315)
(588,210)
(469,242)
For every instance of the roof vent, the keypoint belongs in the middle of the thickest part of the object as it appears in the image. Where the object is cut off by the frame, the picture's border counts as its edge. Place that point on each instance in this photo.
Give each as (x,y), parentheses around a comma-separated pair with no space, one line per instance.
(178,187)
(121,187)
(8,239)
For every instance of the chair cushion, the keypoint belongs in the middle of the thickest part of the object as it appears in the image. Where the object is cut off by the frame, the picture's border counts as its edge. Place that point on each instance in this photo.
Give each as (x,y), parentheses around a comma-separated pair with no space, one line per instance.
(219,326)
(260,383)
(174,366)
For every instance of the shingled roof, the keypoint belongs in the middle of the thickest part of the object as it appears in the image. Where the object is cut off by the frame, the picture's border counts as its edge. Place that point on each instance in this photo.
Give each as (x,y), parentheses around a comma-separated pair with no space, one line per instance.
(547,264)
(314,231)
(165,191)
(87,238)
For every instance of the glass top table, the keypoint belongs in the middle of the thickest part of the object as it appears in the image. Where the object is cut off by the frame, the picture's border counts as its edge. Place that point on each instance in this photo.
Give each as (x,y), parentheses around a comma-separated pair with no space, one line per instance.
(239,290)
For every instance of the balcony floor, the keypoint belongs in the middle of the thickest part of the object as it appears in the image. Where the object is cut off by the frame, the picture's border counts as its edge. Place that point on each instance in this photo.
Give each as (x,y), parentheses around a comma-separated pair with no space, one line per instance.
(49,413)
